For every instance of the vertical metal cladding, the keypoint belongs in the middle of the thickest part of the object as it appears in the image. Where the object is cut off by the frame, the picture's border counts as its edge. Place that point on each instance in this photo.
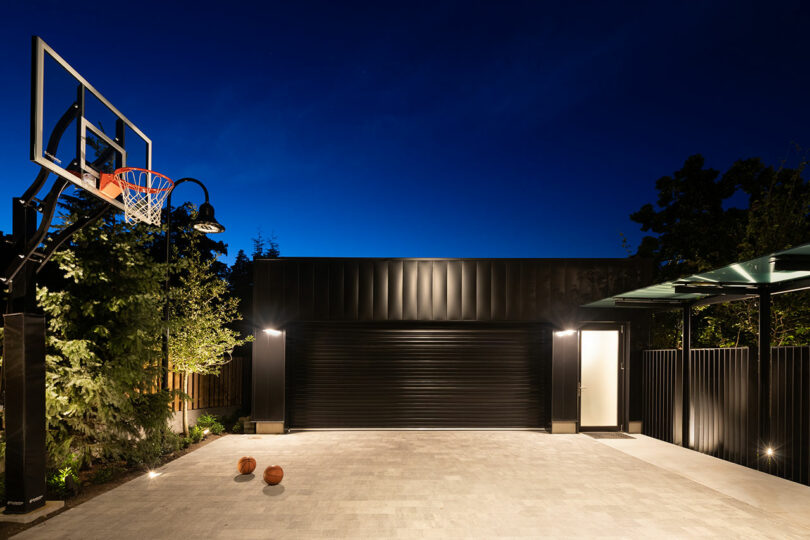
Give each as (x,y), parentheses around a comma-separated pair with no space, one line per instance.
(565,370)
(723,395)
(661,403)
(790,413)
(465,320)
(722,404)
(547,290)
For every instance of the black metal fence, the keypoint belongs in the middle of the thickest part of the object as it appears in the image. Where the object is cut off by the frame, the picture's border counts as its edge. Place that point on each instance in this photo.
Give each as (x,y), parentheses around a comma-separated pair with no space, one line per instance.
(790,413)
(722,405)
(723,415)
(661,401)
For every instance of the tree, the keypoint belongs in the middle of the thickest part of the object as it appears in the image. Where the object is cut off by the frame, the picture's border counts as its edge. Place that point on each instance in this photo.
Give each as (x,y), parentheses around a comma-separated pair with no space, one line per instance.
(200,335)
(696,228)
(240,278)
(104,329)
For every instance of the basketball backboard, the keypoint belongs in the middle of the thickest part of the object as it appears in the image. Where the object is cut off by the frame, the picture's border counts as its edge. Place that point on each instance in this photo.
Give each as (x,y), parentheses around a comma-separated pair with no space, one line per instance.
(76,132)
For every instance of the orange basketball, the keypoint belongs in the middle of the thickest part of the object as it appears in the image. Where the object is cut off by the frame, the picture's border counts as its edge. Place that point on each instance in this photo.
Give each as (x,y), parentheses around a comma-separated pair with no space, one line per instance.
(246,465)
(273,474)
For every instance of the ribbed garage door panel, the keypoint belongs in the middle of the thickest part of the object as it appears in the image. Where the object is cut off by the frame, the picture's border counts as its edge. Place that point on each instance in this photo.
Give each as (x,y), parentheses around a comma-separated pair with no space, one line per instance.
(437,375)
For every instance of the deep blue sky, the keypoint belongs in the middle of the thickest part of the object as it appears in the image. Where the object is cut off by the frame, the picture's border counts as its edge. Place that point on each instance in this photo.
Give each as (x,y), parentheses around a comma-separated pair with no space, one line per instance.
(517,129)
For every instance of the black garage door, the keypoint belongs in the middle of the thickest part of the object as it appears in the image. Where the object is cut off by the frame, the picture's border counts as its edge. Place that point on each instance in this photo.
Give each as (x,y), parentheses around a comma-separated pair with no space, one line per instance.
(467,375)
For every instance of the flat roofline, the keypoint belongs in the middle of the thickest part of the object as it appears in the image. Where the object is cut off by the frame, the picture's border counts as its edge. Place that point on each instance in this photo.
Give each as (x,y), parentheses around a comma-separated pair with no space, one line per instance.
(505,259)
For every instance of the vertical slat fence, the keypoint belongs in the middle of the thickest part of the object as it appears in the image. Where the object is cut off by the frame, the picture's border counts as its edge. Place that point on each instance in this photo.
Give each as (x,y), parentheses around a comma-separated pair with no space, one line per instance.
(723,404)
(207,391)
(790,413)
(660,400)
(723,409)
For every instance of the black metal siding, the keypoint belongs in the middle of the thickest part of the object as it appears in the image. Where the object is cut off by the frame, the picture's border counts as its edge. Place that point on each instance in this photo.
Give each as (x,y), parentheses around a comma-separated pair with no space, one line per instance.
(530,290)
(439,375)
(565,369)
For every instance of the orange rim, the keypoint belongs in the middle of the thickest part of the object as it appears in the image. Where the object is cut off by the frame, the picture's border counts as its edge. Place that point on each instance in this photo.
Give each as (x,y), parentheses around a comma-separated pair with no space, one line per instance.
(119,175)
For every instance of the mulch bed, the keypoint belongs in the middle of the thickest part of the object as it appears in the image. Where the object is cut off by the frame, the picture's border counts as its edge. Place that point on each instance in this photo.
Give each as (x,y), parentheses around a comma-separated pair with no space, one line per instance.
(90,490)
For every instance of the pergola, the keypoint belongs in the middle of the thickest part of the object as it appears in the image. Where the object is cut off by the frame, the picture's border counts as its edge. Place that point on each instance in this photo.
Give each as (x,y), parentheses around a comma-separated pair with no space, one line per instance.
(760,278)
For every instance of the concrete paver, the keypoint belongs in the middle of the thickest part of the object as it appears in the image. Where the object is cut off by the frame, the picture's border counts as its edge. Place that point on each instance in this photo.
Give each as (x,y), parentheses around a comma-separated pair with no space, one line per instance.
(419,484)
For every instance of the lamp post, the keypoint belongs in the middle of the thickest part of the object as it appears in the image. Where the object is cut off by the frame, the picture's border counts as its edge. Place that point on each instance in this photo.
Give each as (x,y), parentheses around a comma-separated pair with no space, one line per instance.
(204,223)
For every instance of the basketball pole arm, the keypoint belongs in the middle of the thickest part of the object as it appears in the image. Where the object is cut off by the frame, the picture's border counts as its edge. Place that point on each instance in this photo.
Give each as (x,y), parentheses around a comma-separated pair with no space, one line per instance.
(49,205)
(53,145)
(57,241)
(48,210)
(27,251)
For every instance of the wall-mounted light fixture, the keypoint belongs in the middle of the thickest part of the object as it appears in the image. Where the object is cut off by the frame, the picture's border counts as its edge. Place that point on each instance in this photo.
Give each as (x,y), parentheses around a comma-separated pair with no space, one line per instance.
(769,452)
(562,333)
(272,332)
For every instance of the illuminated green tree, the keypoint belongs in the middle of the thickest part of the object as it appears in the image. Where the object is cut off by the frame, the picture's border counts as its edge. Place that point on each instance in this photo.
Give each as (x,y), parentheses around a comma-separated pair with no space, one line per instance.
(703,219)
(201,335)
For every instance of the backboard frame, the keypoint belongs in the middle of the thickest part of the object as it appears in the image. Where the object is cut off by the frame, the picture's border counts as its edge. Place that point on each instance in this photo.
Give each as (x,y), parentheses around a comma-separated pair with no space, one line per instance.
(88,178)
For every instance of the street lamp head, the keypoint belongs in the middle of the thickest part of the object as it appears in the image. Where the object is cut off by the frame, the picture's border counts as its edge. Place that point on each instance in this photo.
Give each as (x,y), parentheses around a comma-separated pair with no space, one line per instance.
(205,222)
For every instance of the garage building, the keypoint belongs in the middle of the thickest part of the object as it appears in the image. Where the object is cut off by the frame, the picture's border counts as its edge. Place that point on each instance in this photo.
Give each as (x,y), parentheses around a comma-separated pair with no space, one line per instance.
(347,343)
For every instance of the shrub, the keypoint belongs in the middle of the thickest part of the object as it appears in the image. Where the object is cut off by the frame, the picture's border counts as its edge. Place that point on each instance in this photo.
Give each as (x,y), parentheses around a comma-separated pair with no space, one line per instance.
(238,427)
(171,442)
(196,434)
(63,482)
(104,474)
(211,423)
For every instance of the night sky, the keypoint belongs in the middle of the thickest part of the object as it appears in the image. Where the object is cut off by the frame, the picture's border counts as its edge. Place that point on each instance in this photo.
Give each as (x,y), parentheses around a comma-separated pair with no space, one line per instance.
(450,129)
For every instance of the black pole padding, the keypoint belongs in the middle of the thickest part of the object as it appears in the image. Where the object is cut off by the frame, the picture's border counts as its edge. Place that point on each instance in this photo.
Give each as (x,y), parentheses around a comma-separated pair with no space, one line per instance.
(24,365)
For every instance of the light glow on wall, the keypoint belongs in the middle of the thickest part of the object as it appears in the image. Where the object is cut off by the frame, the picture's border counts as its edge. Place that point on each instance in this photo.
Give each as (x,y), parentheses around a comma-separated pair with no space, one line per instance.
(272,332)
(562,333)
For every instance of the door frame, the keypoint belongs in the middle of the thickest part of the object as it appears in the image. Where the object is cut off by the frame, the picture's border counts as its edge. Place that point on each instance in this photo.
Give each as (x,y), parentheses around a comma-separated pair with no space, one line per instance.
(621,397)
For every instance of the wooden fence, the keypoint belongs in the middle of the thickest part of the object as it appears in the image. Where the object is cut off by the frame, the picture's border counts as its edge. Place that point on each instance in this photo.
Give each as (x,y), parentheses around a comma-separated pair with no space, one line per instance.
(206,391)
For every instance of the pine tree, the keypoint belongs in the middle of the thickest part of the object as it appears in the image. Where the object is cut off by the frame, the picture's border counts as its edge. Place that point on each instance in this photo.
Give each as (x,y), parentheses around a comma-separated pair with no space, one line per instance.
(104,351)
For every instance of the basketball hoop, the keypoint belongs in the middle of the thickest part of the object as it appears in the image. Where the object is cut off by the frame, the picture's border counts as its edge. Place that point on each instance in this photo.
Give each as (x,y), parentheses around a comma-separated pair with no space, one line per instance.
(143,192)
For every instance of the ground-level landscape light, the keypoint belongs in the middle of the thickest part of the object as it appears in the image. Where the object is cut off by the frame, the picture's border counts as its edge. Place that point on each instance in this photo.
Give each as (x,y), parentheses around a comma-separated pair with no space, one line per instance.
(769,451)
(206,431)
(562,333)
(154,474)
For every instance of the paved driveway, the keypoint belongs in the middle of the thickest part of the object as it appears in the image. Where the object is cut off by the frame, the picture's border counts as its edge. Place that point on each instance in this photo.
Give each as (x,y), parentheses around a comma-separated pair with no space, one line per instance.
(417,484)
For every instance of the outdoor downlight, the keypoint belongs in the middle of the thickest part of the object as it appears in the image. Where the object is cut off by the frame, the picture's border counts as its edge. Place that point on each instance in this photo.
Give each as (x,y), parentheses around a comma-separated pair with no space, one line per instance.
(206,222)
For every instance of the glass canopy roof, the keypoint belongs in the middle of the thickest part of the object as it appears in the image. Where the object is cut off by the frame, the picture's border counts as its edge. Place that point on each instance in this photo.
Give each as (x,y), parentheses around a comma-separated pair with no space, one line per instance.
(782,271)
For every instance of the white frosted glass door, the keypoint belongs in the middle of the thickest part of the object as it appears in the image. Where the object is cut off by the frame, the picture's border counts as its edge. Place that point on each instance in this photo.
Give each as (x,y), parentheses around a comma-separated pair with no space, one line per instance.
(599,404)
